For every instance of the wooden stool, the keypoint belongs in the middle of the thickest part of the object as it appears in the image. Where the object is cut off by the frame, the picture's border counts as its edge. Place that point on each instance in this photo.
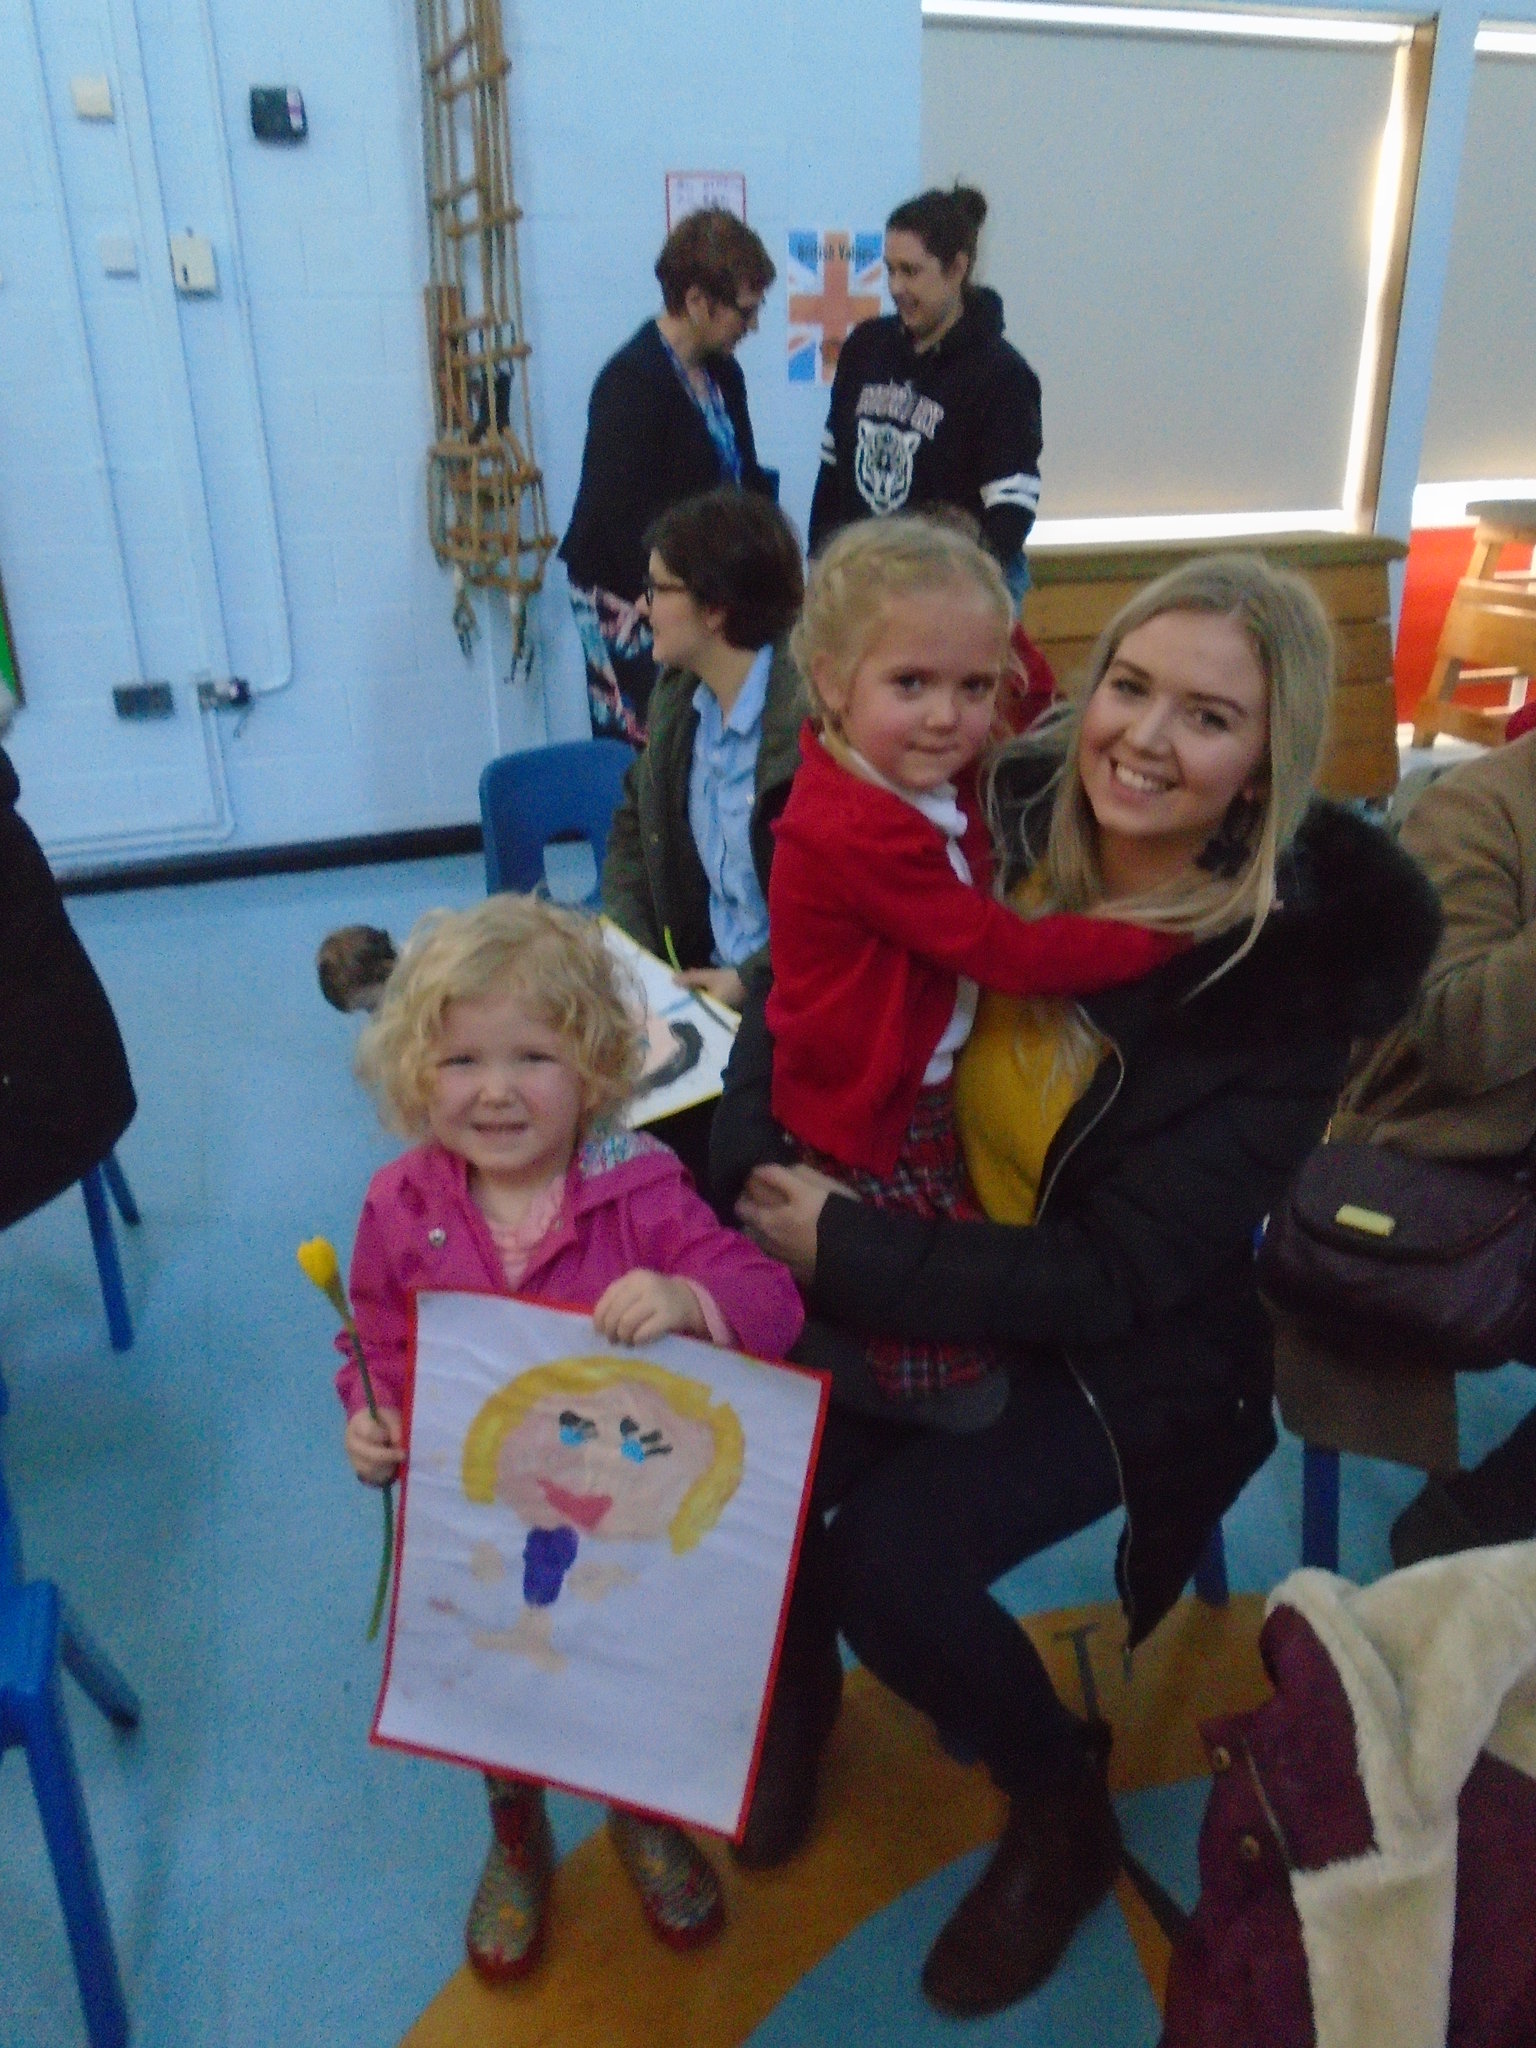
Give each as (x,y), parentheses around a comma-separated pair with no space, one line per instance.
(1489,634)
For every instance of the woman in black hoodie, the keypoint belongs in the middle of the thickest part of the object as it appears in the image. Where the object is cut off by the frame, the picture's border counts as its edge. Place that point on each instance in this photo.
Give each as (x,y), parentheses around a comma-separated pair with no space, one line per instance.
(930,405)
(1129,1147)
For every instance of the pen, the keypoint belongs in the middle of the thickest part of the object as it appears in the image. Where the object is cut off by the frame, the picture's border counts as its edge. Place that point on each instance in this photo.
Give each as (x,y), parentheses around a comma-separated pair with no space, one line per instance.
(712,1009)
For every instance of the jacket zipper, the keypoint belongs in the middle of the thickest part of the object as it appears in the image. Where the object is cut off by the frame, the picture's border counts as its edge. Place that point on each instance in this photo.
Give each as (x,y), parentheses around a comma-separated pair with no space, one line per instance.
(1082,1385)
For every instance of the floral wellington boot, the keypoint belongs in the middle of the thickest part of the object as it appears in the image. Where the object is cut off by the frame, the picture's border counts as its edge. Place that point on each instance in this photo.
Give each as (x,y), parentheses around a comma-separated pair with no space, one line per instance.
(679,1891)
(505,1929)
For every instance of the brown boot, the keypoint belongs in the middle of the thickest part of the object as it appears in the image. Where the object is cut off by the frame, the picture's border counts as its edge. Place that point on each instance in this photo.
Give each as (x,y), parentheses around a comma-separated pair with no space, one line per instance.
(1056,1860)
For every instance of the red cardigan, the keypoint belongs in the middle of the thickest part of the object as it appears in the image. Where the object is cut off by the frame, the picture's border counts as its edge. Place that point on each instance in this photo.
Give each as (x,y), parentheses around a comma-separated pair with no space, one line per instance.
(870,929)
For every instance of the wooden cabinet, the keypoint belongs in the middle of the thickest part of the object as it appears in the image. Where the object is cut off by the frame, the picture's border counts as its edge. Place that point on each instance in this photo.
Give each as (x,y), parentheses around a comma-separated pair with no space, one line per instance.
(1077,591)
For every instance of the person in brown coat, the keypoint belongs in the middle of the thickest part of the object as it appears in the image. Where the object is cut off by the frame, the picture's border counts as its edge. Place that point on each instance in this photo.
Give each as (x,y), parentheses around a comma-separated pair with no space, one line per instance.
(1458,1079)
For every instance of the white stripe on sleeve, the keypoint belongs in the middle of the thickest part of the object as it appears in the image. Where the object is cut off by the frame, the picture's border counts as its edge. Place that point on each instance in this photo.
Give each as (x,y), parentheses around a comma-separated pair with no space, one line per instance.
(1022,489)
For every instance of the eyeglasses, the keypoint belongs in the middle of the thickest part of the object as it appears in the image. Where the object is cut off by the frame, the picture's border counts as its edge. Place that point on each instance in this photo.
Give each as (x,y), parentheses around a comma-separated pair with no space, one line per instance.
(650,589)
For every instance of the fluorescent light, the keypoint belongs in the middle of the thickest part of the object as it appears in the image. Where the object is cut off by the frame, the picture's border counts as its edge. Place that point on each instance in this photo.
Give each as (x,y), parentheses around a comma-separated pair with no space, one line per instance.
(1183,21)
(1446,504)
(1090,533)
(1504,42)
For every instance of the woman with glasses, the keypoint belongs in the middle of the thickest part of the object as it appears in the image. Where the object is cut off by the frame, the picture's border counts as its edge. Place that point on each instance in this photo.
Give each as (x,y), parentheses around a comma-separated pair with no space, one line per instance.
(667,420)
(686,872)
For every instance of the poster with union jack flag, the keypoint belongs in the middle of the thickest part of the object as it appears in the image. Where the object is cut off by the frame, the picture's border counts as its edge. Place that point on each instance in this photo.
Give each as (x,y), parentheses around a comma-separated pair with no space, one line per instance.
(836,279)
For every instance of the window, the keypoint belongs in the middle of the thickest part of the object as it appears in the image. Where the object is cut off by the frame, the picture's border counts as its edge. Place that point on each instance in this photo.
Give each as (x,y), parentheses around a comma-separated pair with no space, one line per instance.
(1197,225)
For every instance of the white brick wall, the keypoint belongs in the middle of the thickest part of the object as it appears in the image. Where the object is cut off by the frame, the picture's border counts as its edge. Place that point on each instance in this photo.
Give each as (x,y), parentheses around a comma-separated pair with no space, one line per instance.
(385,724)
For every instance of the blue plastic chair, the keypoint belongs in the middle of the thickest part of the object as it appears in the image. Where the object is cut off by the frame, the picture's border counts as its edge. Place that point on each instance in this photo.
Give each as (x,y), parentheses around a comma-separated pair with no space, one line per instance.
(1211,1572)
(108,1178)
(1320,1508)
(1319,1527)
(560,794)
(38,1637)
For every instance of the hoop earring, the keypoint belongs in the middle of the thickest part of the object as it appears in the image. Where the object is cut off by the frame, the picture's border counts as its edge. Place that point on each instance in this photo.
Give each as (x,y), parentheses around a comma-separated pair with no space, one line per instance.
(1225,854)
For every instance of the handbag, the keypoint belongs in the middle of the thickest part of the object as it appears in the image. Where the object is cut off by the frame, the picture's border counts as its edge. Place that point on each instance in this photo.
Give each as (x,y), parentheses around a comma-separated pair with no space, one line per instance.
(1435,1257)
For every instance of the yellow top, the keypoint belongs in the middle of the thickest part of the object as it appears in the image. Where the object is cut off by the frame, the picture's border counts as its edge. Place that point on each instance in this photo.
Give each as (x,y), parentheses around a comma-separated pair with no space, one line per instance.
(1013,1089)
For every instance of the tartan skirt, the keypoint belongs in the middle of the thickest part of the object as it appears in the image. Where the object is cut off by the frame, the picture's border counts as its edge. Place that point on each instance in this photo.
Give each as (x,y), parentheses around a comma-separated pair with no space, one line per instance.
(928,1180)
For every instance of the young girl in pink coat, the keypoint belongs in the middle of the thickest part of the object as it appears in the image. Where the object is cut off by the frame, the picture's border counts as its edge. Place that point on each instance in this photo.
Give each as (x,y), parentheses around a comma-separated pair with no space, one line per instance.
(504,1042)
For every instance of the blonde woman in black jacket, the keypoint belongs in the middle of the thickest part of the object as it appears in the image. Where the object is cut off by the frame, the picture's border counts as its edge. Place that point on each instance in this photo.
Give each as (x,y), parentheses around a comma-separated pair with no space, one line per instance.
(1127,1148)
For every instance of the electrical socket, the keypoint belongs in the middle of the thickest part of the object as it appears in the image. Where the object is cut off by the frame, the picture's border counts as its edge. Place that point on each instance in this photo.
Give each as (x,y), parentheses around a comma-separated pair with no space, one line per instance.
(143,700)
(223,693)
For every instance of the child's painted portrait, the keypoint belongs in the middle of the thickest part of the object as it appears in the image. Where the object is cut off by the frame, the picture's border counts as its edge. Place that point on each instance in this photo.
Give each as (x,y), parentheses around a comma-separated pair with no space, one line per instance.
(610,1449)
(595,1553)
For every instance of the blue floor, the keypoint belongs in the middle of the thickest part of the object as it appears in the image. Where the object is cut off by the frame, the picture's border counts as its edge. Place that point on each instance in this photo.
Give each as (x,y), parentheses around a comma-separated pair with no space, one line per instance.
(273,1882)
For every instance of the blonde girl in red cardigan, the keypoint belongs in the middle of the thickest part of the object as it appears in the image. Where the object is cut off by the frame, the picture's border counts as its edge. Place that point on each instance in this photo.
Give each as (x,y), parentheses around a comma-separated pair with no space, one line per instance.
(881,920)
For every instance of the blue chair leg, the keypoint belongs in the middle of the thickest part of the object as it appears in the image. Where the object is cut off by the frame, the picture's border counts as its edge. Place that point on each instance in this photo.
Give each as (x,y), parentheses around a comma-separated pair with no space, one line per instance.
(61,1807)
(1320,1508)
(122,1194)
(94,1672)
(1211,1571)
(114,1300)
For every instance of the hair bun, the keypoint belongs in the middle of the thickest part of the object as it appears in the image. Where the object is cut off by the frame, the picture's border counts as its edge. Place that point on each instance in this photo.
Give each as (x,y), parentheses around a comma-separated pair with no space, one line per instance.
(972,204)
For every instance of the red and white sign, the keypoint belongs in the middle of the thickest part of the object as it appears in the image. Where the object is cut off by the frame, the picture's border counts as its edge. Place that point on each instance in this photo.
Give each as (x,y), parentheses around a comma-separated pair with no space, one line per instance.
(691,191)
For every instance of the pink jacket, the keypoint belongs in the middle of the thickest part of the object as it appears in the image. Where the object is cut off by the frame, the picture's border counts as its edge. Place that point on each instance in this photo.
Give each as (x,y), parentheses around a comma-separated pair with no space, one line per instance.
(628,1203)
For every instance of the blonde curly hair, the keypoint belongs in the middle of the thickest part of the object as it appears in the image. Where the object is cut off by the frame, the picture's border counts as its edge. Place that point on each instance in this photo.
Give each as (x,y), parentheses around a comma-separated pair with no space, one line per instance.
(553,959)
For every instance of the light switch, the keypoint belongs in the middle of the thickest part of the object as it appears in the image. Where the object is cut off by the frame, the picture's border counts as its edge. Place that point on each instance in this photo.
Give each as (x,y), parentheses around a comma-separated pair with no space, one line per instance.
(119,255)
(193,266)
(92,96)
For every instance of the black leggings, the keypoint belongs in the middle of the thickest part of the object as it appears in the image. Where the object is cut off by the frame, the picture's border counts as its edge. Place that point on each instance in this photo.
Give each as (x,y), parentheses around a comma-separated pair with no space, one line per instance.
(925,1520)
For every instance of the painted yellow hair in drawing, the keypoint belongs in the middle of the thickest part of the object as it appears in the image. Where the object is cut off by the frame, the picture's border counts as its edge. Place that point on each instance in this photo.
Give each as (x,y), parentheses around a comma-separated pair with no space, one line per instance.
(571,1378)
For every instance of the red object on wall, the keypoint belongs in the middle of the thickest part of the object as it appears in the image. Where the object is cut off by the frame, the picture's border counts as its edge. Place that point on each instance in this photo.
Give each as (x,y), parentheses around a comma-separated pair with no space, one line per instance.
(1438,558)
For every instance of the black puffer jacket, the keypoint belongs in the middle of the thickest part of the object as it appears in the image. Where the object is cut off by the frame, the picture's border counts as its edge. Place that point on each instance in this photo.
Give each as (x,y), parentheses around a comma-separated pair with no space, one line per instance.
(1139,1267)
(65,1094)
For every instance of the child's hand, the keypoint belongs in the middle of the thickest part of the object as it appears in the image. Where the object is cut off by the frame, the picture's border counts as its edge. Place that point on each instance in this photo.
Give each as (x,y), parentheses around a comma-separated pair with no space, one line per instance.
(723,983)
(375,1449)
(645,1305)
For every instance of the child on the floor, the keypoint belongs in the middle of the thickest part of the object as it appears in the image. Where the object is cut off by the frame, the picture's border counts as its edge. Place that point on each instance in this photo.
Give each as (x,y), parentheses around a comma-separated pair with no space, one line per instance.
(881,922)
(504,1042)
(353,964)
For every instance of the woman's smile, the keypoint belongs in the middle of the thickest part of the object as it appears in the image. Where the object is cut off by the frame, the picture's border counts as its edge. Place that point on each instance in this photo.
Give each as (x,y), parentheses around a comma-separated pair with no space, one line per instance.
(1138,780)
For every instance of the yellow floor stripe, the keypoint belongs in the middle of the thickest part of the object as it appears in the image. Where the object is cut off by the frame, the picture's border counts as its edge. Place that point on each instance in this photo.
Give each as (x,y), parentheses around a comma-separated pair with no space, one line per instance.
(894,1809)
